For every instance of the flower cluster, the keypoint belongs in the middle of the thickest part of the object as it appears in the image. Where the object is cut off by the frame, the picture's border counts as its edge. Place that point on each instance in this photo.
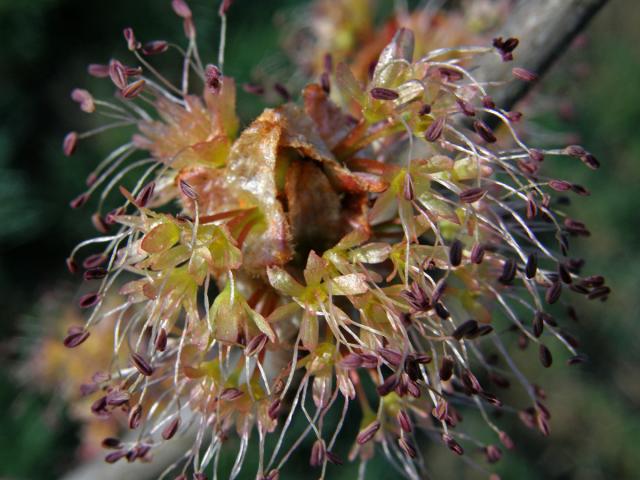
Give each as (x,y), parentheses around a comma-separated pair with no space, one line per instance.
(48,369)
(367,250)
(348,30)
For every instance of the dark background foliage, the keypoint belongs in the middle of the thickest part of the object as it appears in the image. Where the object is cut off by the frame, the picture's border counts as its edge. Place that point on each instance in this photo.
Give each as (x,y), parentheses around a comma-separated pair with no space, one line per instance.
(45,47)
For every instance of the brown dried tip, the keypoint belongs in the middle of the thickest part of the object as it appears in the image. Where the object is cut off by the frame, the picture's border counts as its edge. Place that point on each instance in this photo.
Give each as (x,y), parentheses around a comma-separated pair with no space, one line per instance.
(441,286)
(72,266)
(471,382)
(577,359)
(273,475)
(435,130)
(111,442)
(580,190)
(506,440)
(89,300)
(95,273)
(187,190)
(532,266)
(84,99)
(99,223)
(452,444)
(514,117)
(388,386)
(446,368)
(325,82)
(253,88)
(560,185)
(407,189)
(466,108)
(488,102)
(404,421)
(171,429)
(155,47)
(141,364)
(75,337)
(117,398)
(79,201)
(537,325)
(393,357)
(328,63)
(351,361)
(110,218)
(256,345)
(536,155)
(508,272)
(133,89)
(224,7)
(213,77)
(407,447)
(529,167)
(98,70)
(524,74)
(133,71)
(381,93)
(118,74)
(181,8)
(145,194)
(161,340)
(115,456)
(282,91)
(532,207)
(543,424)
(564,273)
(464,329)
(129,36)
(471,195)
(576,227)
(230,394)
(493,453)
(70,143)
(424,109)
(135,417)
(545,356)
(590,161)
(477,254)
(455,253)
(333,458)
(553,292)
(599,292)
(499,381)
(274,409)
(368,432)
(94,260)
(450,74)
(575,151)
(317,454)
(506,47)
(484,131)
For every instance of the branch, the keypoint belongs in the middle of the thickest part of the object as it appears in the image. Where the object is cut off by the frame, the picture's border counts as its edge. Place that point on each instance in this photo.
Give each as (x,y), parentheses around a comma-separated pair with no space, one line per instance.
(545,29)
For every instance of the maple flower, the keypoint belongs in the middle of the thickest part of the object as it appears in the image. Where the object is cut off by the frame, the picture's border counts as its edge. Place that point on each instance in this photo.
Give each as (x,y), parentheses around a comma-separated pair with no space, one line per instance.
(366,250)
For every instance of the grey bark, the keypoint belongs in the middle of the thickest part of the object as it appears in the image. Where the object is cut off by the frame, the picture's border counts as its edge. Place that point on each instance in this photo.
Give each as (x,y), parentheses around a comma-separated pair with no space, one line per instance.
(545,29)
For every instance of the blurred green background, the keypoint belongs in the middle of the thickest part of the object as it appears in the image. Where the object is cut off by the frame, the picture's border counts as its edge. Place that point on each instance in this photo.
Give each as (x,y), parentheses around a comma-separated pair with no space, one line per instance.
(45,47)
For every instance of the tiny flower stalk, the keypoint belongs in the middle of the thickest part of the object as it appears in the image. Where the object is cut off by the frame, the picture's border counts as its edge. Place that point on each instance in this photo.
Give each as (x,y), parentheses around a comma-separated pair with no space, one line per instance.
(370,246)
